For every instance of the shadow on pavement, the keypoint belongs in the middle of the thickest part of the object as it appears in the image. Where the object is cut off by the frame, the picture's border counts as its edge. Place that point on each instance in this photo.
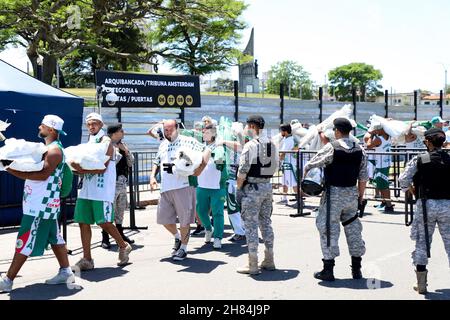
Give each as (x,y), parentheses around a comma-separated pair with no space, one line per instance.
(195,265)
(440,294)
(277,275)
(115,248)
(230,249)
(40,291)
(102,274)
(362,284)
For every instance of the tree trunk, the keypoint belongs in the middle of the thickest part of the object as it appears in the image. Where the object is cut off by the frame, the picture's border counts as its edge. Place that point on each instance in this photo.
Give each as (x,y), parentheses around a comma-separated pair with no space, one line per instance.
(62,81)
(49,69)
(363,94)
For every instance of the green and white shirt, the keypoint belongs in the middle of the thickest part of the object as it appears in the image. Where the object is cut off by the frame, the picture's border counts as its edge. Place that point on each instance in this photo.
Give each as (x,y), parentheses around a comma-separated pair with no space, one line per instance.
(167,153)
(214,174)
(42,198)
(100,187)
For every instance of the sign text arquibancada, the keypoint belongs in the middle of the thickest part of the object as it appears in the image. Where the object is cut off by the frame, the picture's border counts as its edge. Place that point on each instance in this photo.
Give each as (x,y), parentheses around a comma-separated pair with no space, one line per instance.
(149,90)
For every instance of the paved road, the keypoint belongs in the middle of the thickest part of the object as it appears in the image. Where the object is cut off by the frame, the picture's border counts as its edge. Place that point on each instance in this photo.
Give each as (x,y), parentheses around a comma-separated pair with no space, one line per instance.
(209,274)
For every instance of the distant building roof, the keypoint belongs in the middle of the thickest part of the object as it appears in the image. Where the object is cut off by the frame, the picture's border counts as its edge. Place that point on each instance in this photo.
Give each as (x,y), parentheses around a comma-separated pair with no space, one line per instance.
(435,97)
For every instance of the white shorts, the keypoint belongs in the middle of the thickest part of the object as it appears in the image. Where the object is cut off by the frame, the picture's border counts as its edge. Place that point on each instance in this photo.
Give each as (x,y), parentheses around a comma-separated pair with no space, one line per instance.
(289,179)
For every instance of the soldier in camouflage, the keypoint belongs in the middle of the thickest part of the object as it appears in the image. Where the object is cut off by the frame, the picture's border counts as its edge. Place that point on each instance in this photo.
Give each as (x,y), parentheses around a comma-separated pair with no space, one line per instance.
(124,162)
(427,176)
(346,175)
(258,163)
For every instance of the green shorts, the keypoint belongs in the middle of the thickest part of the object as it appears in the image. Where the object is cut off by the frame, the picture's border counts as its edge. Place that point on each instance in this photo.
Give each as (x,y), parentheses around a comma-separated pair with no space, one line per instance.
(381,178)
(35,234)
(93,211)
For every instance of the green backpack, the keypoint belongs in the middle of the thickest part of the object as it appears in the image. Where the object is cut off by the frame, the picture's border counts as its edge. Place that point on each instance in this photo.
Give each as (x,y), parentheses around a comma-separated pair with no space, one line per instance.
(67,181)
(67,175)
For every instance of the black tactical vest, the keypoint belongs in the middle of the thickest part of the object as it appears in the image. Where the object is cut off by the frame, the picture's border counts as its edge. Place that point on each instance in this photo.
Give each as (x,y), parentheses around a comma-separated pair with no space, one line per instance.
(344,170)
(122,168)
(433,175)
(263,168)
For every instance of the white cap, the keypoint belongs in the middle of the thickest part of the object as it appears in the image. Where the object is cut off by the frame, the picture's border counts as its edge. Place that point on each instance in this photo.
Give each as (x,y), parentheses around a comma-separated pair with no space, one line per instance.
(94,116)
(54,122)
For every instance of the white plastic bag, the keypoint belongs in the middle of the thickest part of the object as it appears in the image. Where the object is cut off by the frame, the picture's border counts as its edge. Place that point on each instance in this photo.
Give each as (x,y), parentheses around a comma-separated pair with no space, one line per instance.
(26,166)
(393,128)
(345,112)
(26,156)
(19,149)
(90,156)
(186,161)
(3,127)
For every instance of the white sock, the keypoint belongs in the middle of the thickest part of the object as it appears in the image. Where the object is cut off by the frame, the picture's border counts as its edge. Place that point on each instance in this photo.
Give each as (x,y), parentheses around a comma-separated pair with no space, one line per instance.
(177,236)
(184,247)
(7,280)
(67,270)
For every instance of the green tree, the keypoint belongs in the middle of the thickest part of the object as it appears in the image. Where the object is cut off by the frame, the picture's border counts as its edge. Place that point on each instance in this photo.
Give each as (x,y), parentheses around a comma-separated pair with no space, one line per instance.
(223,85)
(293,76)
(359,76)
(114,34)
(208,42)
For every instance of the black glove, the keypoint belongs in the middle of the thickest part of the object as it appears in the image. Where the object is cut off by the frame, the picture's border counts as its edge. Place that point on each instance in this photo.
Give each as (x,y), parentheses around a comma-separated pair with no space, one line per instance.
(240,193)
(361,206)
(168,167)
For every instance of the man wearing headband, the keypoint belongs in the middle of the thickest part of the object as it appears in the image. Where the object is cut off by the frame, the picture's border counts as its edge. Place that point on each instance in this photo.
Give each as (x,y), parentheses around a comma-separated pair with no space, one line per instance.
(345,164)
(426,176)
(96,197)
(41,207)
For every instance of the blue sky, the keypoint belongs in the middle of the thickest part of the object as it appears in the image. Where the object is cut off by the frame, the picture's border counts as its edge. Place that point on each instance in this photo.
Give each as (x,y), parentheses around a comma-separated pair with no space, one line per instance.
(406,40)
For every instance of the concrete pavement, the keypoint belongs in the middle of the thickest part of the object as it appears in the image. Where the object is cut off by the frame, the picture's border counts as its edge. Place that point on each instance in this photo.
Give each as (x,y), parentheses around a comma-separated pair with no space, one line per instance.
(209,274)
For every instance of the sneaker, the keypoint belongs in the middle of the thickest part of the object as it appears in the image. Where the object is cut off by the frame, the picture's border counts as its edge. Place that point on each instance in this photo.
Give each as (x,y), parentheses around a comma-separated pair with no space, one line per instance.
(217,243)
(106,245)
(180,255)
(5,286)
(199,231)
(237,237)
(208,235)
(61,278)
(176,246)
(380,206)
(294,206)
(282,202)
(83,265)
(124,255)
(388,209)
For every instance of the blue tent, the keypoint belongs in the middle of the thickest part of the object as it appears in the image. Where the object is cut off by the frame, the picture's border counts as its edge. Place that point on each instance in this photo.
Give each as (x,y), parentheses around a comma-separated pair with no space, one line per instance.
(24,101)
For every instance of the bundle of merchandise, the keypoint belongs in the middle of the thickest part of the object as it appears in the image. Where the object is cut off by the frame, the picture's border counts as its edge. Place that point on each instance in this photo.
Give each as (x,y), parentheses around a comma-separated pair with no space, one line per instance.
(90,156)
(21,155)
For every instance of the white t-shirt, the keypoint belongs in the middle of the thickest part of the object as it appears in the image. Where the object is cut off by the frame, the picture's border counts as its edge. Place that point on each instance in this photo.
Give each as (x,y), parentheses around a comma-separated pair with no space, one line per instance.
(385,146)
(288,144)
(100,187)
(210,176)
(167,153)
(416,144)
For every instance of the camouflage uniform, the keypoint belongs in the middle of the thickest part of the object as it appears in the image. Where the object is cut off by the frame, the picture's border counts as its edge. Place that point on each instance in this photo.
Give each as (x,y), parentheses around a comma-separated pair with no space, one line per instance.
(257,204)
(340,210)
(120,198)
(438,213)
